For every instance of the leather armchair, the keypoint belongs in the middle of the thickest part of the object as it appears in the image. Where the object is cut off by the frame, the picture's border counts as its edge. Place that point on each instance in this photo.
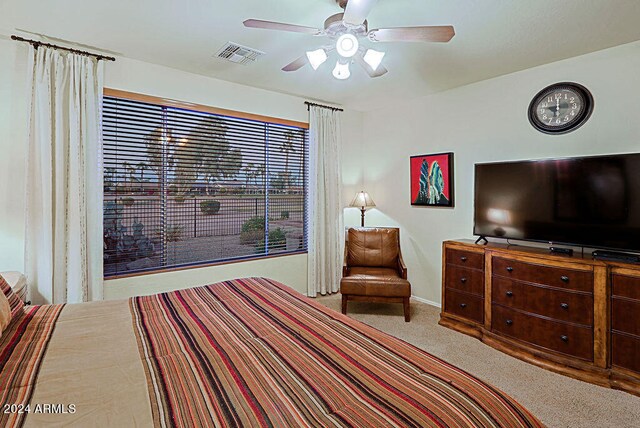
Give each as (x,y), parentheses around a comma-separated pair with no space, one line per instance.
(373,269)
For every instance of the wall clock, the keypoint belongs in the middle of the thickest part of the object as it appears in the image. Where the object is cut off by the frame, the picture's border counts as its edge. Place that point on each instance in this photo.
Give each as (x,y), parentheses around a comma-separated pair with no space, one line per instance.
(560,108)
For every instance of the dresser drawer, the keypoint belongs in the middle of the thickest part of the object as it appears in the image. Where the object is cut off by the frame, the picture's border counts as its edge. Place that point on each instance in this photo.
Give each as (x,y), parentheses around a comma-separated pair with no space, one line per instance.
(465,258)
(556,304)
(541,274)
(625,315)
(553,335)
(625,286)
(625,351)
(464,305)
(469,280)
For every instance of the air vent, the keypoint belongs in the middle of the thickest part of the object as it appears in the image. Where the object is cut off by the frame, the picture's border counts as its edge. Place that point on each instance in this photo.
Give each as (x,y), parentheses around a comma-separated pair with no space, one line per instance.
(239,54)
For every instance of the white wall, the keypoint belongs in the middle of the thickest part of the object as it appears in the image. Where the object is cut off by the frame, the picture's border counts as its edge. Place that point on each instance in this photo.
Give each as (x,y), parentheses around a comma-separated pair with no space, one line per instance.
(140,77)
(486,121)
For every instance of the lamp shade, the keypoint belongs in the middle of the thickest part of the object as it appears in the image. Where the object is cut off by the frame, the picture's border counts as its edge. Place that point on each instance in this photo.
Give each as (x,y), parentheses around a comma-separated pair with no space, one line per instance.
(317,58)
(362,200)
(341,72)
(373,58)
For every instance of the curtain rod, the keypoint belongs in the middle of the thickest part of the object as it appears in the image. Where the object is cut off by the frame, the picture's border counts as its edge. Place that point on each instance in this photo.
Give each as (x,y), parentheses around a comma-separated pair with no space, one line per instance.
(309,104)
(36,43)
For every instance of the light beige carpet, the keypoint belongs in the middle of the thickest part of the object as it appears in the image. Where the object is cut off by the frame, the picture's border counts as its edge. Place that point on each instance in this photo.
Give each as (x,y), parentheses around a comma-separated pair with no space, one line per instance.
(558,401)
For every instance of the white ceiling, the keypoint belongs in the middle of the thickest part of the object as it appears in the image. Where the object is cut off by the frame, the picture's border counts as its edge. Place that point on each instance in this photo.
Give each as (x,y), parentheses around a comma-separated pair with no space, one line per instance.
(493,37)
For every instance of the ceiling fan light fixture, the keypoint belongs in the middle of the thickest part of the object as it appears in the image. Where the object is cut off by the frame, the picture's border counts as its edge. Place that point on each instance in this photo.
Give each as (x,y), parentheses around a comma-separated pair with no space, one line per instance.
(347,45)
(341,72)
(317,58)
(373,58)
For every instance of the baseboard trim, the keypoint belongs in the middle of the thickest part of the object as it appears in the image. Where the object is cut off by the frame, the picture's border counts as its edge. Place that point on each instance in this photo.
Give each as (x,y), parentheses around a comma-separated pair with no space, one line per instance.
(428,302)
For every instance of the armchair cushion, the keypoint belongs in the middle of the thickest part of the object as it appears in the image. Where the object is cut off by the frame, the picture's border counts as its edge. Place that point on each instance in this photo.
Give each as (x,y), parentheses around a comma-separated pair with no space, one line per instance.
(373,247)
(373,271)
(369,285)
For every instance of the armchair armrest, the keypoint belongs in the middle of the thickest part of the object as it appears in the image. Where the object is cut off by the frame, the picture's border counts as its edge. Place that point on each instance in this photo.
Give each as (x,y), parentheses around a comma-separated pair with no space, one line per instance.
(402,268)
(345,267)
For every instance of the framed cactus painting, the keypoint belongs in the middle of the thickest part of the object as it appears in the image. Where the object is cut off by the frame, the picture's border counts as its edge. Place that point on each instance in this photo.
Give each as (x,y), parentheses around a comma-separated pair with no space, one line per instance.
(432,180)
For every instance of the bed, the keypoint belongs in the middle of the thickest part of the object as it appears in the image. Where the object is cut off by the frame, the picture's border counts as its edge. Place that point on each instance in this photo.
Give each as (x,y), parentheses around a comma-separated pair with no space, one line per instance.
(246,352)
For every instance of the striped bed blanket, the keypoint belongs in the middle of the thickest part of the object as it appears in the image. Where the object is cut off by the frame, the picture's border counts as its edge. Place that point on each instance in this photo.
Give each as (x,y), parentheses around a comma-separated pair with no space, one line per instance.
(22,348)
(252,352)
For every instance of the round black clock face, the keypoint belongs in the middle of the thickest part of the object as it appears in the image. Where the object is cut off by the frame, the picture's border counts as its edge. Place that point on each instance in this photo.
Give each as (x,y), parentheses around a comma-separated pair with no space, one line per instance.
(560,108)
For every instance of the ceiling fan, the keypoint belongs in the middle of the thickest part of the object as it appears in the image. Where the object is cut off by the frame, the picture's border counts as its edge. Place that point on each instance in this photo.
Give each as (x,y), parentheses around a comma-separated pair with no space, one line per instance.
(346,30)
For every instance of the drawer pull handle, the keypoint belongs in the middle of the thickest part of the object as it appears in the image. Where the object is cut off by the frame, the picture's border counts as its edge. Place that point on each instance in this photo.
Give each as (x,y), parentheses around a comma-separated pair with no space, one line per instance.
(564,305)
(564,278)
(509,293)
(463,280)
(463,305)
(463,258)
(509,269)
(509,322)
(564,338)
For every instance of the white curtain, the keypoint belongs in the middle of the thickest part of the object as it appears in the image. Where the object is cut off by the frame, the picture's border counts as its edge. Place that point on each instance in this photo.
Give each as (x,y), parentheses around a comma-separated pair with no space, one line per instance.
(63,249)
(326,234)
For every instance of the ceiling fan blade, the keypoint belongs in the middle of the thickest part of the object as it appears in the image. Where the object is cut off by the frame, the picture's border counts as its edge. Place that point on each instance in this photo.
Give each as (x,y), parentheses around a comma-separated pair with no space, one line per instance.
(381,70)
(280,26)
(357,11)
(297,64)
(442,33)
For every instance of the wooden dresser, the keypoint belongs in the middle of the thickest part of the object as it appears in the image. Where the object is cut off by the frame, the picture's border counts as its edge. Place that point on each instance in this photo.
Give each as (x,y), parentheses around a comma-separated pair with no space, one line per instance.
(570,314)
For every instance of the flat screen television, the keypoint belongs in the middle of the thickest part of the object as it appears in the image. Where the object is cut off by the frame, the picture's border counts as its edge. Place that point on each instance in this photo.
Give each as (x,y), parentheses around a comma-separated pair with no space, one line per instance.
(584,201)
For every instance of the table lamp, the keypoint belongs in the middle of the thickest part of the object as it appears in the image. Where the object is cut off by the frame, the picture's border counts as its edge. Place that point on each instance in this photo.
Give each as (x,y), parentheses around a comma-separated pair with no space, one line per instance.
(363,201)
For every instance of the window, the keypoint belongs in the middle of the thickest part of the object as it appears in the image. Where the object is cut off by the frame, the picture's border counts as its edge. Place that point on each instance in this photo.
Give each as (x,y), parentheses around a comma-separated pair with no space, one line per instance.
(187,187)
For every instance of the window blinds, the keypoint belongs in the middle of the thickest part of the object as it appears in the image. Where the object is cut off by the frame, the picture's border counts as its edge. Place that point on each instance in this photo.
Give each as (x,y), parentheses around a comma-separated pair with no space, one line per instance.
(183,187)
